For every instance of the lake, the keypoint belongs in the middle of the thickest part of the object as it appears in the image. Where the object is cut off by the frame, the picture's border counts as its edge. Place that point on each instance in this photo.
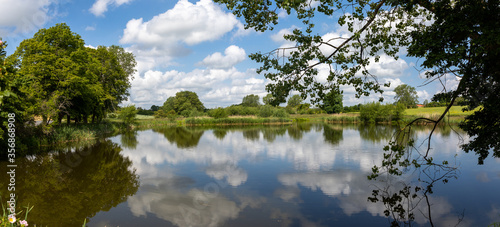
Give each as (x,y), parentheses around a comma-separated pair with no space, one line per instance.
(291,175)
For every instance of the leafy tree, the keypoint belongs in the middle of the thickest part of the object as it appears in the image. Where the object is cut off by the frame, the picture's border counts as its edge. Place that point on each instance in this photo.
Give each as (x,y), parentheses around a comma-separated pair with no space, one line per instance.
(407,95)
(304,107)
(266,111)
(219,113)
(294,101)
(375,112)
(154,108)
(183,101)
(169,104)
(354,108)
(127,115)
(333,102)
(125,59)
(171,115)
(444,97)
(62,77)
(12,104)
(251,101)
(114,79)
(50,76)
(281,113)
(268,100)
(460,38)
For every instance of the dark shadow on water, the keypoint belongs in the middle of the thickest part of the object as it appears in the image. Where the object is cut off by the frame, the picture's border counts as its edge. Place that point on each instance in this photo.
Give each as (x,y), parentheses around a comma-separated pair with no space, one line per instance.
(68,186)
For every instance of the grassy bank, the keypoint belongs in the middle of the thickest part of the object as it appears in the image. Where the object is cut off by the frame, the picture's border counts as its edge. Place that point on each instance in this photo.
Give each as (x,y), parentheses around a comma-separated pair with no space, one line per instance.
(236,121)
(81,132)
(84,132)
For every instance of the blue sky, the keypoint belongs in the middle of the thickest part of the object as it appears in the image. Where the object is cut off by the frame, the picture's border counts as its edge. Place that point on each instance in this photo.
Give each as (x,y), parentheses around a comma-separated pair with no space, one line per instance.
(189,45)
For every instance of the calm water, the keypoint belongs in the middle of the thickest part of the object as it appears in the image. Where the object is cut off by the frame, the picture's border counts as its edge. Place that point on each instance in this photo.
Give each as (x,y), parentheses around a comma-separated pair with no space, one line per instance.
(299,175)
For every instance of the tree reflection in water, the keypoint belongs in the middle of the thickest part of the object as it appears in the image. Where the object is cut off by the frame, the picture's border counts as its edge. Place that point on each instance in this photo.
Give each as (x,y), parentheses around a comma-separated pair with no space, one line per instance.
(128,139)
(67,187)
(407,177)
(181,136)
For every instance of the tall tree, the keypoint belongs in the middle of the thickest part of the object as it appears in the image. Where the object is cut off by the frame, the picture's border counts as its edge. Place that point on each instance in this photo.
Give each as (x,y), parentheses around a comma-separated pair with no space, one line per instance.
(126,59)
(333,102)
(444,97)
(294,101)
(62,77)
(45,63)
(268,99)
(460,38)
(112,75)
(407,95)
(183,100)
(251,101)
(12,105)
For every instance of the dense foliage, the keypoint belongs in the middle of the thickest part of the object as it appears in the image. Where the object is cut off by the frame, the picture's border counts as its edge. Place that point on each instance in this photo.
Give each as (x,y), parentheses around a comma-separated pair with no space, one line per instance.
(332,102)
(61,77)
(294,101)
(460,38)
(184,103)
(218,113)
(53,75)
(127,115)
(251,101)
(406,95)
(375,112)
(268,100)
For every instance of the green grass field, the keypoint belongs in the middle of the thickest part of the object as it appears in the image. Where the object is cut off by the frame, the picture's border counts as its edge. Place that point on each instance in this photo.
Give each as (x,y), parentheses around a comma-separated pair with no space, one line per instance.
(436,111)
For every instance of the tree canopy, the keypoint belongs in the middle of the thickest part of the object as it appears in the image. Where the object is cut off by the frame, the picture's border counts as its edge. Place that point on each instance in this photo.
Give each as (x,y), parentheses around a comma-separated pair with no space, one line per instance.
(406,95)
(53,75)
(460,38)
(332,102)
(268,99)
(294,101)
(183,101)
(251,101)
(62,77)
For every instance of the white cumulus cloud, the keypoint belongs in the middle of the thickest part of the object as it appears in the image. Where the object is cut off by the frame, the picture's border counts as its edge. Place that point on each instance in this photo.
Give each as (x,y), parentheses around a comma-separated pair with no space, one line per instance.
(101,6)
(157,42)
(215,87)
(24,16)
(186,22)
(232,56)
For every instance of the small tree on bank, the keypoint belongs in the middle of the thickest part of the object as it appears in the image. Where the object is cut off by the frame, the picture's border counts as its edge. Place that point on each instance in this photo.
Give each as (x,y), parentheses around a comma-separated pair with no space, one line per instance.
(251,101)
(407,95)
(127,115)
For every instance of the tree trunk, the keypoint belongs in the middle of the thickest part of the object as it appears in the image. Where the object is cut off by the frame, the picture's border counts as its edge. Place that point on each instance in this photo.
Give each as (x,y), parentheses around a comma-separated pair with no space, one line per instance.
(93,116)
(68,119)
(59,118)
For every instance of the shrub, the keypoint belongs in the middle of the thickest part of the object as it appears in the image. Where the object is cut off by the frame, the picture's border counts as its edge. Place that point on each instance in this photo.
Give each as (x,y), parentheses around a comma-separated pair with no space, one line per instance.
(128,114)
(171,115)
(290,110)
(218,113)
(375,112)
(186,113)
(304,106)
(160,114)
(234,110)
(398,112)
(195,113)
(281,113)
(112,115)
(266,111)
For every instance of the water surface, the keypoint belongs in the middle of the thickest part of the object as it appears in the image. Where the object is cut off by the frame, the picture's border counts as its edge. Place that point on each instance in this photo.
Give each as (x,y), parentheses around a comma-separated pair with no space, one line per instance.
(298,175)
